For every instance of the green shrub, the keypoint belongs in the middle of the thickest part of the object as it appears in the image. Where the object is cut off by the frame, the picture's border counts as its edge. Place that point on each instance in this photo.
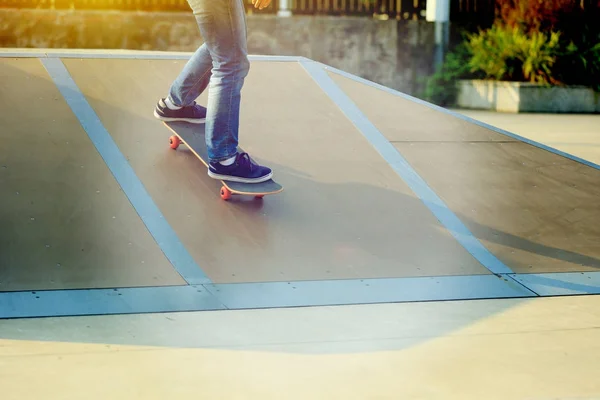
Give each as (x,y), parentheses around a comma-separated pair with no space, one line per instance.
(505,53)
(441,88)
(581,66)
(578,62)
(545,42)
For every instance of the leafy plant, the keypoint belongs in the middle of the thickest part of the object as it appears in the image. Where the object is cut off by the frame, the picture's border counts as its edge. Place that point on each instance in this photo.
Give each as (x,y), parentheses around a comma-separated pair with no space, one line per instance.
(540,41)
(539,55)
(590,61)
(578,61)
(504,53)
(581,66)
(441,88)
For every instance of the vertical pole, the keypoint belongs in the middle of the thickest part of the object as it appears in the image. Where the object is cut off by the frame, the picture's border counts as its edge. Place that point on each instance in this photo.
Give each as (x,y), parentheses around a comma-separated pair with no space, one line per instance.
(284,8)
(438,11)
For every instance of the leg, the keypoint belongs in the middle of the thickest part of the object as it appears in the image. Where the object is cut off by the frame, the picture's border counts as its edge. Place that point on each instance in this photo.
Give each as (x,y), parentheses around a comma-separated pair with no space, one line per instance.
(223,26)
(193,79)
(191,82)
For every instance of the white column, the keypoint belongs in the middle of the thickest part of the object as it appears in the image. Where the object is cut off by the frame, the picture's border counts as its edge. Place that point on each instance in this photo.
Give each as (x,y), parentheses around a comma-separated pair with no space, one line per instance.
(438,11)
(284,9)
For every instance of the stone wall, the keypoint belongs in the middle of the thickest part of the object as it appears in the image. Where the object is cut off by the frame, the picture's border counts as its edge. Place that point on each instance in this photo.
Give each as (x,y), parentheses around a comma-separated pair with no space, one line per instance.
(392,53)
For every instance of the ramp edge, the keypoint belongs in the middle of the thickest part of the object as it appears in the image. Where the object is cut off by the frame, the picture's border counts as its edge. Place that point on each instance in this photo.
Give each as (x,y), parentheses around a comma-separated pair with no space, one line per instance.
(254,295)
(122,54)
(238,296)
(459,115)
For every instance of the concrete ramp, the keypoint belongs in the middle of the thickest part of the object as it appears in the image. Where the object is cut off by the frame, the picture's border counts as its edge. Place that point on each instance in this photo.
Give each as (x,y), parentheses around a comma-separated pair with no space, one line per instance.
(386,198)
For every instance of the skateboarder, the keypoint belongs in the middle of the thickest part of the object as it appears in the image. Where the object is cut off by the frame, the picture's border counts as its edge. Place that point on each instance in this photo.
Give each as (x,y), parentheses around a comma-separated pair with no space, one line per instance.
(221,63)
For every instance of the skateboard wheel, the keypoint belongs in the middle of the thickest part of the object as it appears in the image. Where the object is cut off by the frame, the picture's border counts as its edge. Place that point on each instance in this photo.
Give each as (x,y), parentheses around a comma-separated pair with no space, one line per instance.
(260,196)
(225,193)
(174,142)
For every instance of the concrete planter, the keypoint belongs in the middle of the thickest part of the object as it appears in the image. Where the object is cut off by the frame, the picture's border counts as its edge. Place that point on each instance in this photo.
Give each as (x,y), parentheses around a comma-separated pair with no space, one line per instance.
(526,97)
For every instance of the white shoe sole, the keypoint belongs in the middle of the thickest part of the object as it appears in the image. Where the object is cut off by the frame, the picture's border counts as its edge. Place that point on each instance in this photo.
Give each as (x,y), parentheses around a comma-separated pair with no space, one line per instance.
(238,179)
(190,120)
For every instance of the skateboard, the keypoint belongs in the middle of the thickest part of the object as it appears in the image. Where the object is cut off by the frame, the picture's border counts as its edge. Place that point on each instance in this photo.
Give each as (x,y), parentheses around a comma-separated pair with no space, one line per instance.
(194,139)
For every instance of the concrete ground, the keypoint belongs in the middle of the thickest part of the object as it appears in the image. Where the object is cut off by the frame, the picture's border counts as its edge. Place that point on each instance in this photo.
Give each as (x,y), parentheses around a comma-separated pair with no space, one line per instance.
(545,348)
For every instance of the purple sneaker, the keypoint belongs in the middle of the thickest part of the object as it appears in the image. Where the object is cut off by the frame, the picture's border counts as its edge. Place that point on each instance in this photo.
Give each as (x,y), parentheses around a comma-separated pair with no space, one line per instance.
(242,170)
(194,113)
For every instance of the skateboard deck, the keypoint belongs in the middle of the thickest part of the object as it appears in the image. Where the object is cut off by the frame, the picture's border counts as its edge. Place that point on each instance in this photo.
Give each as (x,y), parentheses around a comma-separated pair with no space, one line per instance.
(192,135)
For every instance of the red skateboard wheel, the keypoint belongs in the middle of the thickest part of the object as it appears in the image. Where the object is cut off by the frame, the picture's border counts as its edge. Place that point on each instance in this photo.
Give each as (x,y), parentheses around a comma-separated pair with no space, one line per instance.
(174,141)
(225,193)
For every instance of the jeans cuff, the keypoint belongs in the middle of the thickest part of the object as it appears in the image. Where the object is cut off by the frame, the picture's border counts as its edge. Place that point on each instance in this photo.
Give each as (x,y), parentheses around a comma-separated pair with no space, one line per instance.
(222,158)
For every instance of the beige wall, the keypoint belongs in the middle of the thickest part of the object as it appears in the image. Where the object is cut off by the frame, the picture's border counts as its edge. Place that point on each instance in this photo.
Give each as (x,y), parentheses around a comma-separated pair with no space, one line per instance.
(393,53)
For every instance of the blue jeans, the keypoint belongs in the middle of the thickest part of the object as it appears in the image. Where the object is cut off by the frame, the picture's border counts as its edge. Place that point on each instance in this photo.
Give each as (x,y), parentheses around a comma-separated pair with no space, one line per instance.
(221,63)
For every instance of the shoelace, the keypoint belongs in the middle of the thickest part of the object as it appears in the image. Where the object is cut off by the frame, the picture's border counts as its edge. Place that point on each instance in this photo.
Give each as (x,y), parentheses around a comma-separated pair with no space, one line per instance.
(244,160)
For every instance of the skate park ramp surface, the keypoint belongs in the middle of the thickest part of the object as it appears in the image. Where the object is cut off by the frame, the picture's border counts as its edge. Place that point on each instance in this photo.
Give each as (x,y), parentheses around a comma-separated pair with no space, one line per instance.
(386,198)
